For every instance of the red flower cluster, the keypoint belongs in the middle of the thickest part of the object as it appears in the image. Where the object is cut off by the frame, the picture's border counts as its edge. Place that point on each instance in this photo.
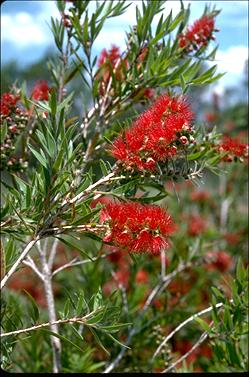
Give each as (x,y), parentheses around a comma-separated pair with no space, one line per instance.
(218,260)
(154,135)
(210,117)
(122,274)
(200,196)
(113,57)
(142,277)
(8,103)
(234,147)
(40,91)
(136,227)
(198,34)
(196,225)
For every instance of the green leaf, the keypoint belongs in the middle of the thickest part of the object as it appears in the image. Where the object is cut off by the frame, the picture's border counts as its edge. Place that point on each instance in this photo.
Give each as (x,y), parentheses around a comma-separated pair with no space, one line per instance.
(98,300)
(35,312)
(95,334)
(104,169)
(217,294)
(72,245)
(3,131)
(118,342)
(203,324)
(52,102)
(115,327)
(38,156)
(240,271)
(62,338)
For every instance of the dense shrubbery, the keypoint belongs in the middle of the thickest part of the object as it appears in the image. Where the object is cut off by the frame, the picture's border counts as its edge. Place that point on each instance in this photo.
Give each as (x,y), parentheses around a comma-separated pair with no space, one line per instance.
(124,233)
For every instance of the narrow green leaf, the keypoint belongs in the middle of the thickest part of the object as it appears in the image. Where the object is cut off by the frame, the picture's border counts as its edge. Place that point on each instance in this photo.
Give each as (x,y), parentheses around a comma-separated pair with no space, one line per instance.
(74,246)
(95,334)
(38,156)
(203,324)
(62,338)
(35,310)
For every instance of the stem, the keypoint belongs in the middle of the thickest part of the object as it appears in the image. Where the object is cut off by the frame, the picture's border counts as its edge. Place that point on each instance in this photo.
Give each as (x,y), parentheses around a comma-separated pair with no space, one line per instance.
(19,260)
(42,325)
(209,309)
(183,357)
(75,262)
(164,282)
(30,263)
(52,254)
(56,344)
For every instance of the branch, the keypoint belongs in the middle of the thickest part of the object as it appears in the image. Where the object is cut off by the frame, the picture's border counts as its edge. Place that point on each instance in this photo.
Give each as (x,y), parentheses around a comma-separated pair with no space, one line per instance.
(30,263)
(164,282)
(48,324)
(74,262)
(183,357)
(19,261)
(55,342)
(52,254)
(209,309)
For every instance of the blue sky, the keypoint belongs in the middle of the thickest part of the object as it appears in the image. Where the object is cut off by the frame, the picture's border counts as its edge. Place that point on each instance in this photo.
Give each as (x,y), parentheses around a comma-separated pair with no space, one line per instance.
(25,33)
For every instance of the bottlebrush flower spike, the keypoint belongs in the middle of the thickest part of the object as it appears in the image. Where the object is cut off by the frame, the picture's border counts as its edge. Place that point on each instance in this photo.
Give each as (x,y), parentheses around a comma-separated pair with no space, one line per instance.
(40,91)
(234,147)
(112,55)
(151,137)
(8,102)
(136,227)
(198,34)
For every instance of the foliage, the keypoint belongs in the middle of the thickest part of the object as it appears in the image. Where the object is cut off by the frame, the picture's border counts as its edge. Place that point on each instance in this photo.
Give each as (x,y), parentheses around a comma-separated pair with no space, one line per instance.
(85,277)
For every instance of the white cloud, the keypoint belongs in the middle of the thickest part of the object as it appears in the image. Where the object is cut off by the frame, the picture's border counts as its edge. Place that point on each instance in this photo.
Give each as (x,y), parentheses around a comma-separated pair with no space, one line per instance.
(25,29)
(22,30)
(232,61)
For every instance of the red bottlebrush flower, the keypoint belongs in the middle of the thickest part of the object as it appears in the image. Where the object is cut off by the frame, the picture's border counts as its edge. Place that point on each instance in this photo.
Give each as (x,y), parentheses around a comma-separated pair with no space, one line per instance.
(138,228)
(40,91)
(149,93)
(120,277)
(218,260)
(210,117)
(234,147)
(200,196)
(233,238)
(150,138)
(198,34)
(196,225)
(112,56)
(142,277)
(7,103)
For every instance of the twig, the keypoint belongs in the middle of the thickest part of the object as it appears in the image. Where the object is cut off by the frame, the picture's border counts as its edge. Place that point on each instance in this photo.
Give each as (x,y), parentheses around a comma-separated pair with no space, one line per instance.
(30,263)
(74,262)
(146,306)
(90,188)
(207,310)
(53,254)
(123,291)
(19,261)
(58,322)
(82,228)
(163,263)
(183,357)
